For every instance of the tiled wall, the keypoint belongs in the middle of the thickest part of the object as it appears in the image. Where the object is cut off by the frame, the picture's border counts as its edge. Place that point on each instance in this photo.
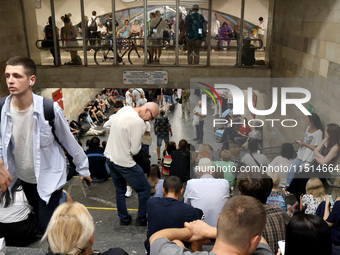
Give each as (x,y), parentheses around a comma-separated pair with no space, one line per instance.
(306,44)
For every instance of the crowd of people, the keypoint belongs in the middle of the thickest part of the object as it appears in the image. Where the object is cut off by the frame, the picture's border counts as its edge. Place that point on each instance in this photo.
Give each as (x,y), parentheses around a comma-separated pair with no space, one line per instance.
(160,30)
(198,200)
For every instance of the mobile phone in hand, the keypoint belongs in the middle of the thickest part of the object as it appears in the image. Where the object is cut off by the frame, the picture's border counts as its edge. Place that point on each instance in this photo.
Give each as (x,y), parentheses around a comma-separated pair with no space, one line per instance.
(86,183)
(282,245)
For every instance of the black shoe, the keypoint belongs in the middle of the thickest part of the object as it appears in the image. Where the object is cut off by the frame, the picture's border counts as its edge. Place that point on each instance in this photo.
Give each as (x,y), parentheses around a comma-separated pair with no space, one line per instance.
(141,223)
(195,139)
(126,223)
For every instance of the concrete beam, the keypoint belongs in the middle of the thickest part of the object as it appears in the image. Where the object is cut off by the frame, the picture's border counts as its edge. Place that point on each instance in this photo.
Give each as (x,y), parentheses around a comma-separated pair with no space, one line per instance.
(112,76)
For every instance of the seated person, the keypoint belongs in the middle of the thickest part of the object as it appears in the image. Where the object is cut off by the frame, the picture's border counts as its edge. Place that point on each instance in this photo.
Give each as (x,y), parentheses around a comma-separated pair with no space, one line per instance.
(284,161)
(17,223)
(71,231)
(239,229)
(95,112)
(259,186)
(84,128)
(226,167)
(332,218)
(242,134)
(169,212)
(308,234)
(156,183)
(166,160)
(85,116)
(180,164)
(97,161)
(231,129)
(277,196)
(253,158)
(101,103)
(207,193)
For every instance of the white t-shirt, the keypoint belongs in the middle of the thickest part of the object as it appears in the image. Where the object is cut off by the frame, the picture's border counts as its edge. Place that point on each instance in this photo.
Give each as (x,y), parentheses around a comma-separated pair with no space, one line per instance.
(304,153)
(16,212)
(22,139)
(128,98)
(260,30)
(283,164)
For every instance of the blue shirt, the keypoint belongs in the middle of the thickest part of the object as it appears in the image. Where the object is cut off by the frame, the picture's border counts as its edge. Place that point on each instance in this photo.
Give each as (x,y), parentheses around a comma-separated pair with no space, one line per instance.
(49,158)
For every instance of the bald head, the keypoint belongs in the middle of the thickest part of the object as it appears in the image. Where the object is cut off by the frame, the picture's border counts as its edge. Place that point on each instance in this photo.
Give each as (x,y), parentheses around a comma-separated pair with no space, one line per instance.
(148,111)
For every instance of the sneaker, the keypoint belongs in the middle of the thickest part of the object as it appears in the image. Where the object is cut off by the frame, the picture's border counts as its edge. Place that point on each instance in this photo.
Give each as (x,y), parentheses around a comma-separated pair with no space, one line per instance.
(141,223)
(126,223)
(128,191)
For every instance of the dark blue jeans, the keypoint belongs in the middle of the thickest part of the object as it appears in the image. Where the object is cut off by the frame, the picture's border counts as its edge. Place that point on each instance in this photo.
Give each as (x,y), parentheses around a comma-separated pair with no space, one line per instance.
(199,131)
(40,208)
(136,178)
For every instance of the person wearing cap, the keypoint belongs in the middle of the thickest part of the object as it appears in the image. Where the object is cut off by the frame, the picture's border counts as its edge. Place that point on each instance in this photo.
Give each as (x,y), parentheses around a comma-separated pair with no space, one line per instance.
(206,192)
(194,31)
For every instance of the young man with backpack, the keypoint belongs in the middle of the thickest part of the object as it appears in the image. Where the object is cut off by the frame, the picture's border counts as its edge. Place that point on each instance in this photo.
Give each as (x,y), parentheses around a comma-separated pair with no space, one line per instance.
(30,145)
(194,31)
(93,24)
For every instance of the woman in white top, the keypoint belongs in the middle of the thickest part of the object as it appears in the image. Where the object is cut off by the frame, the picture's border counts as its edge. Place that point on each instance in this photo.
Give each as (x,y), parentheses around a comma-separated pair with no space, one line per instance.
(312,138)
(283,162)
(17,225)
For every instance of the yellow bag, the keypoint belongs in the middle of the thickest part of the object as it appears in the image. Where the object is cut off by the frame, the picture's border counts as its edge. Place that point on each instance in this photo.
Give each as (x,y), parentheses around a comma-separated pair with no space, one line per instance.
(255,31)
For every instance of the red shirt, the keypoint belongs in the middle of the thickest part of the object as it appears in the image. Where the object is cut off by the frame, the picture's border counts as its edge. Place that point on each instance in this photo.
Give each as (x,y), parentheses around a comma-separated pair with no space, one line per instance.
(244,130)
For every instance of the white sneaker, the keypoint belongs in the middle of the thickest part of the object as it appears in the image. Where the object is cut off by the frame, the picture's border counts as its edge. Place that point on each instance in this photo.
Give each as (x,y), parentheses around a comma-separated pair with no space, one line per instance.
(128,191)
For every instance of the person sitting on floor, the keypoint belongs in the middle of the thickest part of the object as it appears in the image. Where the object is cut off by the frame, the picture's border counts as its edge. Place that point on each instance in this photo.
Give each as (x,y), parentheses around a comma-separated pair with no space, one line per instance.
(239,229)
(207,193)
(97,161)
(18,225)
(71,231)
(259,186)
(169,212)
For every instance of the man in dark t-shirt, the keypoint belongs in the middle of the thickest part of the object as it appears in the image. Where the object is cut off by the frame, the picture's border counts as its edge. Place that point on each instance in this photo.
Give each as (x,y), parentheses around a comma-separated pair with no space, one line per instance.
(168,212)
(95,154)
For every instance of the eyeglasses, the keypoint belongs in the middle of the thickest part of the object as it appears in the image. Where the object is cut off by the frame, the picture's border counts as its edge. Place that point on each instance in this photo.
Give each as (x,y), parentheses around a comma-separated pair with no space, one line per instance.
(152,118)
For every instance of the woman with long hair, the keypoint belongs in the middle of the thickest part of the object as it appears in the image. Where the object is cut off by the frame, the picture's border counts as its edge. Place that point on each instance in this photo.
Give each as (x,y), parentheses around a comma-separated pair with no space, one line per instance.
(308,234)
(328,149)
(312,138)
(154,178)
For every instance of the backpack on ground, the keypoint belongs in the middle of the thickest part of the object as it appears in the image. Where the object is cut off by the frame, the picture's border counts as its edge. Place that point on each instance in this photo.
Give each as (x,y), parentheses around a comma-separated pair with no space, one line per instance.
(196,31)
(93,26)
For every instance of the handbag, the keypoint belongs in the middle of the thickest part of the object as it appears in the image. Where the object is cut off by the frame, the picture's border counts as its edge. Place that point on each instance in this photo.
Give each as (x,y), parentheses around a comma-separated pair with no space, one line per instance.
(143,160)
(195,120)
(146,139)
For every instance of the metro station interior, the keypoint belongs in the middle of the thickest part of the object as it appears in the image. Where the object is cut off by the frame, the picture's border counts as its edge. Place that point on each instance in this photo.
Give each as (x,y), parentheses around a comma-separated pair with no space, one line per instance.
(301,49)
